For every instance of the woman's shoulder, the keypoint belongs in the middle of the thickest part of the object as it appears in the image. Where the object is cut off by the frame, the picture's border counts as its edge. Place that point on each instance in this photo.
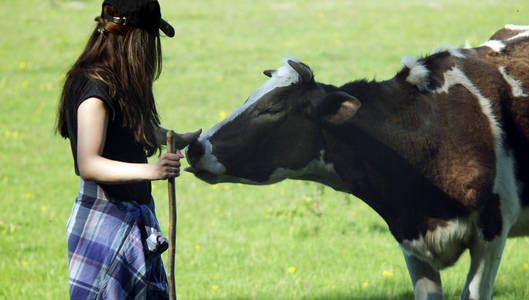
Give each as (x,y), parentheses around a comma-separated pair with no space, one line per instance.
(83,82)
(85,86)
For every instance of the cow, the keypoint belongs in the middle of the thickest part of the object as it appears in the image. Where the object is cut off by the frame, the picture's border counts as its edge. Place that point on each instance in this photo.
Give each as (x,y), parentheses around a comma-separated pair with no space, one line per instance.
(440,151)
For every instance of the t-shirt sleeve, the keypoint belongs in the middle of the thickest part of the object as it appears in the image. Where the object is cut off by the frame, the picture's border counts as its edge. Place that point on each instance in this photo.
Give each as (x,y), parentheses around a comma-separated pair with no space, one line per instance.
(94,88)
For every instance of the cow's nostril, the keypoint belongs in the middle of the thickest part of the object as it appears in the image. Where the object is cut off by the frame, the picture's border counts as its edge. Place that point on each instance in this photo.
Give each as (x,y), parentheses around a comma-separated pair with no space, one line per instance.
(194,152)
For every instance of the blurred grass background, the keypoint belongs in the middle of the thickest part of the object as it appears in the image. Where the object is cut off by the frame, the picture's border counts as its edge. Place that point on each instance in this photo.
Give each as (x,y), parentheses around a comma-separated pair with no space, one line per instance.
(293,240)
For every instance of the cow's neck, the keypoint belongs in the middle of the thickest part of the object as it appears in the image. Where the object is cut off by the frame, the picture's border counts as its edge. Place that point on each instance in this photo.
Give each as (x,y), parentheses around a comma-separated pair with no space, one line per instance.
(376,155)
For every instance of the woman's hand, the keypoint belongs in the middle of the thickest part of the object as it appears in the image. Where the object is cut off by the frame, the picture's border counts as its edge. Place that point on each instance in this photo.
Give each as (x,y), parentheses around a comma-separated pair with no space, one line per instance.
(168,166)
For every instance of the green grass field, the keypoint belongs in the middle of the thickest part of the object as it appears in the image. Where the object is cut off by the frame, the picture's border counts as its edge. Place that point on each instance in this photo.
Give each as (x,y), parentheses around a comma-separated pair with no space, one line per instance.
(293,240)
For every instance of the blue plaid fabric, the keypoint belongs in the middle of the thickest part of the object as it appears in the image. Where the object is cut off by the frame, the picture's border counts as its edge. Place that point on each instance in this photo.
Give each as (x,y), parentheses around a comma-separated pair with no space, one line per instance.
(107,248)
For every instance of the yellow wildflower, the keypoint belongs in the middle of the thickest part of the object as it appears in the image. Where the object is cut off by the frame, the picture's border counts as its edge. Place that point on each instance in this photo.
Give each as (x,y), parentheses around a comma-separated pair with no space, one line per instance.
(22,65)
(216,211)
(354,213)
(240,68)
(15,134)
(220,78)
(226,187)
(7,133)
(365,284)
(43,208)
(526,266)
(222,115)
(292,269)
(24,84)
(25,263)
(154,186)
(387,274)
(215,287)
(197,247)
(62,76)
(27,195)
(215,186)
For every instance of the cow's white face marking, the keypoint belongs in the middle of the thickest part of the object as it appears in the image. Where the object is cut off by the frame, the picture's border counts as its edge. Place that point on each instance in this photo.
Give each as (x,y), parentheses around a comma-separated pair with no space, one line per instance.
(418,75)
(516,85)
(209,161)
(284,76)
(495,45)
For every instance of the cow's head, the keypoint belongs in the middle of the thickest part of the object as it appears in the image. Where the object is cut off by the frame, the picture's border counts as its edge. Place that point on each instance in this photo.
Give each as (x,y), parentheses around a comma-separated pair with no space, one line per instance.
(275,134)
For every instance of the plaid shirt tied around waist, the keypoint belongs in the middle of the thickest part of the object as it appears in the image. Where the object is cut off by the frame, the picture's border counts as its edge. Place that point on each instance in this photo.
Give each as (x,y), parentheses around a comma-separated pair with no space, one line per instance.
(114,248)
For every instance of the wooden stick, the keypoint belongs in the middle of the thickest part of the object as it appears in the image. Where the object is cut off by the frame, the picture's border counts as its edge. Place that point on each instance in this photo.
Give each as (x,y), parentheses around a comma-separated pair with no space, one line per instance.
(172,223)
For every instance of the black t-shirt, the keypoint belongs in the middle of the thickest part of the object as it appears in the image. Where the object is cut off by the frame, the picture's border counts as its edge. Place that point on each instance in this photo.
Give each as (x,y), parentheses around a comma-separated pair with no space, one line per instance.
(119,143)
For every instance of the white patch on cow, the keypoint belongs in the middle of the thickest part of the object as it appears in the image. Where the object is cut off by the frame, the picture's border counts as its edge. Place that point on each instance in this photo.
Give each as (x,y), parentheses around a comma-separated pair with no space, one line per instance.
(454,77)
(517,27)
(519,35)
(209,162)
(456,52)
(284,76)
(495,45)
(451,50)
(316,170)
(418,75)
(505,185)
(440,247)
(516,85)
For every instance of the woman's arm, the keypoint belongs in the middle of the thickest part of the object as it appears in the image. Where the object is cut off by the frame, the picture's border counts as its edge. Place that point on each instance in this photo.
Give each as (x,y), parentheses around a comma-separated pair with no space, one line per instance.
(92,121)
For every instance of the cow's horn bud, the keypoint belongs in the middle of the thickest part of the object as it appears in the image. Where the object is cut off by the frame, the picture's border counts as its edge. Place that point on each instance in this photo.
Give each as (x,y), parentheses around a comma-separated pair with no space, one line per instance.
(303,70)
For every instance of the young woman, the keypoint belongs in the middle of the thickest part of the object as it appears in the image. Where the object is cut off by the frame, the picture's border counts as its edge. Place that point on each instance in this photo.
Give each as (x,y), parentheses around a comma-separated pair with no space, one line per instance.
(107,111)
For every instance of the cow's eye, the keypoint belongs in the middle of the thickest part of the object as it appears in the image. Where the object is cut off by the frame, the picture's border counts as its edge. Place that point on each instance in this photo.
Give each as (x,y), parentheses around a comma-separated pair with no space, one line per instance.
(271,111)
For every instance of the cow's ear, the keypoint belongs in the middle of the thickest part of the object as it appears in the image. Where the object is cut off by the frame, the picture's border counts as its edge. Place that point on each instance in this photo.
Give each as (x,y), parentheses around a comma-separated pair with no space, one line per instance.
(337,107)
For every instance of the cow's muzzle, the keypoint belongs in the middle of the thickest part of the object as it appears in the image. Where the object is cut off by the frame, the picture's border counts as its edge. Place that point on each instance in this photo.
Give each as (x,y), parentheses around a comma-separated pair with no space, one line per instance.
(194,153)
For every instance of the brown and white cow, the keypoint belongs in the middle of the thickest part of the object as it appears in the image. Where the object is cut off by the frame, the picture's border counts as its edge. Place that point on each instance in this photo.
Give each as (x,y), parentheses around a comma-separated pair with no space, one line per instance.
(440,151)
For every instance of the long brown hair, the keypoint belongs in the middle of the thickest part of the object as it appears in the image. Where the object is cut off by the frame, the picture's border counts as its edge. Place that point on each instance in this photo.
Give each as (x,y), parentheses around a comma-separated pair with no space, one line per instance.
(127,60)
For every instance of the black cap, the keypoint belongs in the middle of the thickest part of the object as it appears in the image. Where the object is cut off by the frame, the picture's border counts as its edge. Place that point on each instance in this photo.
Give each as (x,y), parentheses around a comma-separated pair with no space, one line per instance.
(144,14)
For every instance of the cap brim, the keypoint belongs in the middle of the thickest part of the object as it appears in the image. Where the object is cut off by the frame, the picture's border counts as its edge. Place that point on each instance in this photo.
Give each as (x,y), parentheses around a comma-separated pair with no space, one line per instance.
(166,28)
